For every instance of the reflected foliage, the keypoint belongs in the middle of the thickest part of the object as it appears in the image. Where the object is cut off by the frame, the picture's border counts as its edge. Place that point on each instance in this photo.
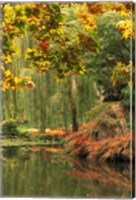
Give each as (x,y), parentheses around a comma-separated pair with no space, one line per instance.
(44,173)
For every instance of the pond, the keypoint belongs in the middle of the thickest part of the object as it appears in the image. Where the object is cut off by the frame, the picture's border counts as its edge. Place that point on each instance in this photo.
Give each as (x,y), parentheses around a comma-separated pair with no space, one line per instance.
(48,172)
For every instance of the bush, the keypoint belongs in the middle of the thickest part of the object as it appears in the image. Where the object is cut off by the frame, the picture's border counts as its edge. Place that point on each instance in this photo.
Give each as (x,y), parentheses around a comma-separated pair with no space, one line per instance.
(9,128)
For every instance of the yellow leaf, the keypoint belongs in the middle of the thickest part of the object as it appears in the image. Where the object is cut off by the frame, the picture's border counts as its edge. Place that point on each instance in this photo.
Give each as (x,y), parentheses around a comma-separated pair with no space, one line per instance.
(7,73)
(17,80)
(126,34)
(7,59)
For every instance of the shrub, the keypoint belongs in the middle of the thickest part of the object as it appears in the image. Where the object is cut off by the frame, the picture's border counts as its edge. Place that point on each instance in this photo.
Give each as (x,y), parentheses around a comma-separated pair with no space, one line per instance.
(9,128)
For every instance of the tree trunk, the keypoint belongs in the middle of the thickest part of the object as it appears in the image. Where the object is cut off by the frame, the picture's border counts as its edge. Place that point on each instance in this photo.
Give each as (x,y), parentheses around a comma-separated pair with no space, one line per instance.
(15,104)
(72,93)
(65,114)
(42,96)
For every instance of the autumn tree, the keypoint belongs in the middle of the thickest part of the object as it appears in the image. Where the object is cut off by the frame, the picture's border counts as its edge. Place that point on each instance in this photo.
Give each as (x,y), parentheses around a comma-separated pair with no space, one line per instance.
(68,39)
(64,53)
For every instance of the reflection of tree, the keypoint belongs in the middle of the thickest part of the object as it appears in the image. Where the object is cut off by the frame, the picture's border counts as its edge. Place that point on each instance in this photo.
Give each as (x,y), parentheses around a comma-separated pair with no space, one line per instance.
(10,152)
(103,175)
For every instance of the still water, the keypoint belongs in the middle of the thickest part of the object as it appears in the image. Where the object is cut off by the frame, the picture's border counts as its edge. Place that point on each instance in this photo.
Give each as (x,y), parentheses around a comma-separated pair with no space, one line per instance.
(44,172)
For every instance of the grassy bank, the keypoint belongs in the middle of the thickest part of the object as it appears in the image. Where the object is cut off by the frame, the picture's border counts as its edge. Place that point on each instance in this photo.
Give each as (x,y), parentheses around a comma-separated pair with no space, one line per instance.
(29,139)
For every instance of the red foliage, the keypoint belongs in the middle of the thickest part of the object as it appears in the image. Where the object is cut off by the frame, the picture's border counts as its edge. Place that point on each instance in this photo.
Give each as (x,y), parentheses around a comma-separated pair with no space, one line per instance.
(29,85)
(87,124)
(55,132)
(45,46)
(51,149)
(102,150)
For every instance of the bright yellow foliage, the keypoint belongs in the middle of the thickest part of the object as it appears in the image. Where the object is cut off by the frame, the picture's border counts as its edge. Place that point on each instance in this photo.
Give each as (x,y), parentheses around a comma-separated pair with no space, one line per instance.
(126,27)
(86,18)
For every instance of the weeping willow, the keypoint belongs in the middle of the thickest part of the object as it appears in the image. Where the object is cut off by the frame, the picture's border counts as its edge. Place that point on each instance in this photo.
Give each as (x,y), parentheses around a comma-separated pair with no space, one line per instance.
(48,104)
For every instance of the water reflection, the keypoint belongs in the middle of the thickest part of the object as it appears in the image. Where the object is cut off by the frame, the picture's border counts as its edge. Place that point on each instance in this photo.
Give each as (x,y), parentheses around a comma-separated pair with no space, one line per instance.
(104,181)
(49,173)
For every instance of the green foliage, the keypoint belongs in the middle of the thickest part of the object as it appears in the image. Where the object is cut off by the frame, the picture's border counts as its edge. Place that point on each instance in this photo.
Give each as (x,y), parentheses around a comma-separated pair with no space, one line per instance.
(95,112)
(108,55)
(126,96)
(121,77)
(9,128)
